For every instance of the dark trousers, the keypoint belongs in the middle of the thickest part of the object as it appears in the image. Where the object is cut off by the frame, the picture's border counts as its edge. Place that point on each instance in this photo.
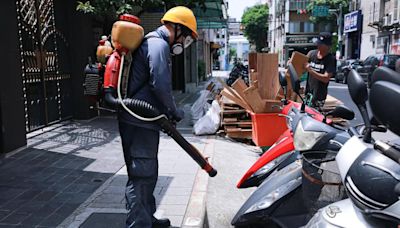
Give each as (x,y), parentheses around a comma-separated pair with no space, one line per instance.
(140,146)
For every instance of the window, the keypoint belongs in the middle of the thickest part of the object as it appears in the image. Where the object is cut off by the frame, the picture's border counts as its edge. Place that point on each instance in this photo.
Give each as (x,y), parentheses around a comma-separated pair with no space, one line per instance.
(308,27)
(396,10)
(368,60)
(294,27)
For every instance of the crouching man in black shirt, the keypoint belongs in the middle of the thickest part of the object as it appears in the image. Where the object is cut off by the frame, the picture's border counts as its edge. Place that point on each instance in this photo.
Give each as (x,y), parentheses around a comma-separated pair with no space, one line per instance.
(321,67)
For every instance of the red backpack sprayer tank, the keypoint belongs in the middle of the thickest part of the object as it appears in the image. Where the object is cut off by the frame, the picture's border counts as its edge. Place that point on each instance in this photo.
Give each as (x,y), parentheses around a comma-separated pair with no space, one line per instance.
(127,35)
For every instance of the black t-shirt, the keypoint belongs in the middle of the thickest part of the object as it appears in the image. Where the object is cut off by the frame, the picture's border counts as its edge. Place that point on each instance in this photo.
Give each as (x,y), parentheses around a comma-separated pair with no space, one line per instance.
(318,89)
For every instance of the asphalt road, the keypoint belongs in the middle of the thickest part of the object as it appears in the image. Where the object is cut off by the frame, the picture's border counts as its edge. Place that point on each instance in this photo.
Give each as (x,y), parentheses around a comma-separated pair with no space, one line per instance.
(341,92)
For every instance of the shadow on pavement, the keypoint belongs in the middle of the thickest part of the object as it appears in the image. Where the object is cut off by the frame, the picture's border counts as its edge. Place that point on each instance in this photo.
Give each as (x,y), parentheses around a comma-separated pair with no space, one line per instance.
(38,187)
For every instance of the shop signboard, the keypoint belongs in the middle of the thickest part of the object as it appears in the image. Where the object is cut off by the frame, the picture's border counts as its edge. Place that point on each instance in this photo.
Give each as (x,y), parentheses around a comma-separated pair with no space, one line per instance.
(352,21)
(295,40)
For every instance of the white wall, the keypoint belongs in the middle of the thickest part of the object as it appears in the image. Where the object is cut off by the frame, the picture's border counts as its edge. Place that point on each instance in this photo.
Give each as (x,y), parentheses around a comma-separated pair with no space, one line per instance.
(367,46)
(241,44)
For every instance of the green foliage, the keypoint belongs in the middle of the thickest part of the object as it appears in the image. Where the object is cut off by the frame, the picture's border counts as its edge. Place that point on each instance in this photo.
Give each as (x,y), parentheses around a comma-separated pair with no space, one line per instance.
(335,44)
(232,53)
(85,7)
(113,8)
(333,4)
(201,68)
(255,21)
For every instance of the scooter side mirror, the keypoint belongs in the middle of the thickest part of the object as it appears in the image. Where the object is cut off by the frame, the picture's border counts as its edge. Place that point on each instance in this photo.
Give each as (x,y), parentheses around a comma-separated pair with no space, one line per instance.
(359,95)
(294,79)
(357,88)
(342,112)
(282,79)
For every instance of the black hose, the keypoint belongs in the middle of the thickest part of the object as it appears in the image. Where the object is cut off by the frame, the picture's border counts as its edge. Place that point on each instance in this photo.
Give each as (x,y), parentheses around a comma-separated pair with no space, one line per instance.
(140,107)
(146,110)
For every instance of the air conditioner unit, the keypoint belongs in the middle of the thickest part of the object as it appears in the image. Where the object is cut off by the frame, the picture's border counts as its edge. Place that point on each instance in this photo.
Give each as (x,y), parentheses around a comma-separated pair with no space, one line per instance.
(390,18)
(385,21)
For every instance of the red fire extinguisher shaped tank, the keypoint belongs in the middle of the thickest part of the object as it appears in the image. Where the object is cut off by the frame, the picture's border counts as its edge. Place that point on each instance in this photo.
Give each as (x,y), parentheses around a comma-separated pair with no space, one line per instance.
(112,70)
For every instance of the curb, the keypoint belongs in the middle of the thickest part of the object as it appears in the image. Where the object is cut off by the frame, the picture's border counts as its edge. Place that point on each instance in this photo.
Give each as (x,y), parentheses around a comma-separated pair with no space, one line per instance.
(196,212)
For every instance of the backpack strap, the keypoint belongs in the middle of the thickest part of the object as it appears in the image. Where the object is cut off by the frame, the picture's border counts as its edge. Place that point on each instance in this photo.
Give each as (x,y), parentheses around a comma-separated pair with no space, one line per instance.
(127,67)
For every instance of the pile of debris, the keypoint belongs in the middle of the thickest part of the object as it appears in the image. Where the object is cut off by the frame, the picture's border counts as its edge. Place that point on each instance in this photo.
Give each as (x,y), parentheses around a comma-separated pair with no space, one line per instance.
(229,108)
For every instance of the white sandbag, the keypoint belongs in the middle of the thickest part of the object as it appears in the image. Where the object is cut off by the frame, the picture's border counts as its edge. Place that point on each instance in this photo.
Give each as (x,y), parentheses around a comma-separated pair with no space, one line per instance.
(209,123)
(200,106)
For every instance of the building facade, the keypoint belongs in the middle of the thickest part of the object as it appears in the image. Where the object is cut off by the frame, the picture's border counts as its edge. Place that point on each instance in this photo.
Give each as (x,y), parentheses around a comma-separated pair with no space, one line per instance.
(290,28)
(379,28)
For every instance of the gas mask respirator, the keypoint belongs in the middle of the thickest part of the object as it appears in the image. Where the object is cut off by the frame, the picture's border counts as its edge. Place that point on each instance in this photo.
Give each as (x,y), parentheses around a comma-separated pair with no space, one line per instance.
(177,48)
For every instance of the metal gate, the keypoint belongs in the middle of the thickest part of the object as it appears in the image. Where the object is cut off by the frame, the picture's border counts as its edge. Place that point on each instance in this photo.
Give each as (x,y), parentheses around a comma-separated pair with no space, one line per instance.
(45,66)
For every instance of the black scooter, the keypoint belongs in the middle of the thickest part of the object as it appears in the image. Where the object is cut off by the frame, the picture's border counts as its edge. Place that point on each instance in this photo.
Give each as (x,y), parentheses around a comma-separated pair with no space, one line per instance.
(279,200)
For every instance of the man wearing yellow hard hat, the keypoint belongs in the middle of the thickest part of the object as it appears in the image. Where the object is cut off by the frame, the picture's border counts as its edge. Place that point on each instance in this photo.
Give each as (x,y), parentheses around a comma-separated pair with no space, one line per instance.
(150,80)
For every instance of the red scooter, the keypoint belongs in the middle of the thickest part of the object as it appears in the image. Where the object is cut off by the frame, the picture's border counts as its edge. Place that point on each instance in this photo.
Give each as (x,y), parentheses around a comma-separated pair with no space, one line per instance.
(281,150)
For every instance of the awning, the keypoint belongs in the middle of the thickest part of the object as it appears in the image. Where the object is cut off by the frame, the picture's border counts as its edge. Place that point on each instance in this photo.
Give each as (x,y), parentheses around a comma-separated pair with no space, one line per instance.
(214,16)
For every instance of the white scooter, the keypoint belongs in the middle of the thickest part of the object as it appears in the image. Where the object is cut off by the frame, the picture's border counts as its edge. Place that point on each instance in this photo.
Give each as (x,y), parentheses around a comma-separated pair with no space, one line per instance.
(371,175)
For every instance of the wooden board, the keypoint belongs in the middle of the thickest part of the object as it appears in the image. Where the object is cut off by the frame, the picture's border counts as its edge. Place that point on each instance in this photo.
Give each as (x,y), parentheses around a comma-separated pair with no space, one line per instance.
(239,133)
(253,62)
(233,98)
(233,111)
(332,101)
(254,99)
(252,77)
(272,106)
(237,123)
(298,60)
(255,84)
(268,81)
(243,134)
(230,120)
(239,86)
(234,94)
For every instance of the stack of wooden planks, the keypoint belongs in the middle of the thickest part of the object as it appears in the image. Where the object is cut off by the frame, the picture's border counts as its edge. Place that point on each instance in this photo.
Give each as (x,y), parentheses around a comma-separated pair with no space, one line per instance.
(261,96)
(235,120)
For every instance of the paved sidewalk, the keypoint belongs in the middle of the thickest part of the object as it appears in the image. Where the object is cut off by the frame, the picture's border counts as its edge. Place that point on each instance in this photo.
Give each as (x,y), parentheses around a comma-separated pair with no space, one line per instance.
(177,172)
(43,184)
(73,175)
(75,168)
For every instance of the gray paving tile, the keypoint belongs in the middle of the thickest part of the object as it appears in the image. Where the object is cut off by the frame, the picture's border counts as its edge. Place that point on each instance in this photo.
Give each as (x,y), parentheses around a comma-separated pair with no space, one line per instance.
(14,218)
(170,210)
(105,220)
(173,200)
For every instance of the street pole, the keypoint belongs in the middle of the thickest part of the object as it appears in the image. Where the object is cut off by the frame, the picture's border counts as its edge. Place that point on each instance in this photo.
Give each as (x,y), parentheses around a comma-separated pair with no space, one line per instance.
(339,22)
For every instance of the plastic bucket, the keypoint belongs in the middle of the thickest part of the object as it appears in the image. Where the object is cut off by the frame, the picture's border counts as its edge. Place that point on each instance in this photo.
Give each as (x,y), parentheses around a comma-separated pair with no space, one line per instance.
(267,127)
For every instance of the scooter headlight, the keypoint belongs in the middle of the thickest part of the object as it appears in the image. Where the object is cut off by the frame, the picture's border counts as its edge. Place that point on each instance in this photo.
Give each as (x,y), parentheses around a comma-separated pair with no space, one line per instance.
(272,197)
(305,140)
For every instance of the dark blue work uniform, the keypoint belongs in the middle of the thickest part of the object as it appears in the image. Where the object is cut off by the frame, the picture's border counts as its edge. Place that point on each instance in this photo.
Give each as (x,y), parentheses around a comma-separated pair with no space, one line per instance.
(149,80)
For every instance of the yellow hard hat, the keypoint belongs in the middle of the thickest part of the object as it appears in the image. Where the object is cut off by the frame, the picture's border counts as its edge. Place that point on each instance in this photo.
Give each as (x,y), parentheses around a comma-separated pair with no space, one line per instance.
(182,15)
